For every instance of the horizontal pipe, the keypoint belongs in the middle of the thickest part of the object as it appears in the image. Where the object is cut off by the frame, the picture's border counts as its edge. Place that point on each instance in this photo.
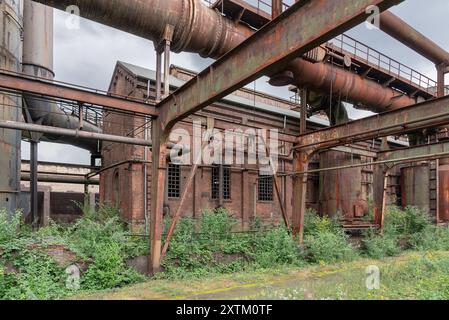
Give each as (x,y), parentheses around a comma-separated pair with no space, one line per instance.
(199,29)
(349,86)
(56,178)
(372,163)
(406,34)
(73,133)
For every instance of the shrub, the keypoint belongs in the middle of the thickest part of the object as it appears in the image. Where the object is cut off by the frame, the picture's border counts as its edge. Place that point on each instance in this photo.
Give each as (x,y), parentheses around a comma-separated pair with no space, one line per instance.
(406,222)
(431,238)
(273,248)
(102,240)
(108,269)
(9,227)
(378,246)
(325,241)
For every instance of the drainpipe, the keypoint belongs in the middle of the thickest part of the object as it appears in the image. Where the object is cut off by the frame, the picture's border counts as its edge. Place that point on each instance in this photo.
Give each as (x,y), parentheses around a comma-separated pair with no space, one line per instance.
(38,61)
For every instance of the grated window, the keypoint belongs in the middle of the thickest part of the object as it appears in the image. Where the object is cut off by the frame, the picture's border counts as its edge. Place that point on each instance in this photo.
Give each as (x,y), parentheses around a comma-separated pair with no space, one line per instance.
(174,181)
(265,188)
(215,181)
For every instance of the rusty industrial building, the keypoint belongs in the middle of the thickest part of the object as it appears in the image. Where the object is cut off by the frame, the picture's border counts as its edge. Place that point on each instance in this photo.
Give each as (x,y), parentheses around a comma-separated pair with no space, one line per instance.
(325,160)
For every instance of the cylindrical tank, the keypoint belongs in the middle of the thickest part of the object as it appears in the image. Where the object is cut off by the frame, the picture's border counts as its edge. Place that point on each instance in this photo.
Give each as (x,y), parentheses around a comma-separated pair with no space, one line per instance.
(443,196)
(38,61)
(341,191)
(415,186)
(11,24)
(38,40)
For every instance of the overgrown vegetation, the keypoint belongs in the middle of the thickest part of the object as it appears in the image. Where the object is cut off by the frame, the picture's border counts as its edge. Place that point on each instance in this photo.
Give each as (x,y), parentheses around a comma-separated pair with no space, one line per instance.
(100,243)
(211,244)
(410,228)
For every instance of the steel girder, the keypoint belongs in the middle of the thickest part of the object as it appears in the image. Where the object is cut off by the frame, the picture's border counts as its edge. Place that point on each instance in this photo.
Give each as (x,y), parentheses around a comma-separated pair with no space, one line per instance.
(427,114)
(38,87)
(304,26)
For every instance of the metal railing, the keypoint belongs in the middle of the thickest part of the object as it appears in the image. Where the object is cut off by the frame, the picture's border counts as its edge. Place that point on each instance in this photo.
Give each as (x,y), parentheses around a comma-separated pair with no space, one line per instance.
(90,115)
(380,61)
(262,5)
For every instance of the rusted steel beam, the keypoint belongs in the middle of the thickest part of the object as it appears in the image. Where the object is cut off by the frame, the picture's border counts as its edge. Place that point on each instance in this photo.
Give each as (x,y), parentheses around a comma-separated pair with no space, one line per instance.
(72,133)
(39,87)
(428,149)
(298,30)
(408,119)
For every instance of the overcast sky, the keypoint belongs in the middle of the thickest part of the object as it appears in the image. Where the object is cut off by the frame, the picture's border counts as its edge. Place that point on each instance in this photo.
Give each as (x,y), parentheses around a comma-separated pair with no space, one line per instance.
(87,57)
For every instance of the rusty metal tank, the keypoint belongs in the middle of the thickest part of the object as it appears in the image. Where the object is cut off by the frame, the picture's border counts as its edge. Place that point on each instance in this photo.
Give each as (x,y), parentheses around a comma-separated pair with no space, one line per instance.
(341,191)
(443,184)
(11,25)
(415,186)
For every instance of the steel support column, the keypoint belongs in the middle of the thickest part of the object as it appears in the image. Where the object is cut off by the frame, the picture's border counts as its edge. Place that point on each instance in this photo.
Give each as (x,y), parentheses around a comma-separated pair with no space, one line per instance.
(302,27)
(159,171)
(276,8)
(34,183)
(441,69)
(300,164)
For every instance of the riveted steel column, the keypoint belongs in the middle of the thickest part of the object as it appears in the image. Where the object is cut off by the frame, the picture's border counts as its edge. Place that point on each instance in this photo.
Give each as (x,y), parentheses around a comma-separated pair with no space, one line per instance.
(300,164)
(159,168)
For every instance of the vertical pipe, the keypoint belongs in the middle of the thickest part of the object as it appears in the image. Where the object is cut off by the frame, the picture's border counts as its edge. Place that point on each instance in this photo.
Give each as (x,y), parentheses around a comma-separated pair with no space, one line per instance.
(220,185)
(303,114)
(255,200)
(167,69)
(158,76)
(440,80)
(437,176)
(145,177)
(276,8)
(34,183)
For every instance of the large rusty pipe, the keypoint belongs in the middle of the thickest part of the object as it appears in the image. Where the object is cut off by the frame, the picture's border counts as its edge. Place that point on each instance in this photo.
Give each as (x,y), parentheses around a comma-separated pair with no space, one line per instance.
(197,28)
(202,30)
(349,86)
(409,36)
